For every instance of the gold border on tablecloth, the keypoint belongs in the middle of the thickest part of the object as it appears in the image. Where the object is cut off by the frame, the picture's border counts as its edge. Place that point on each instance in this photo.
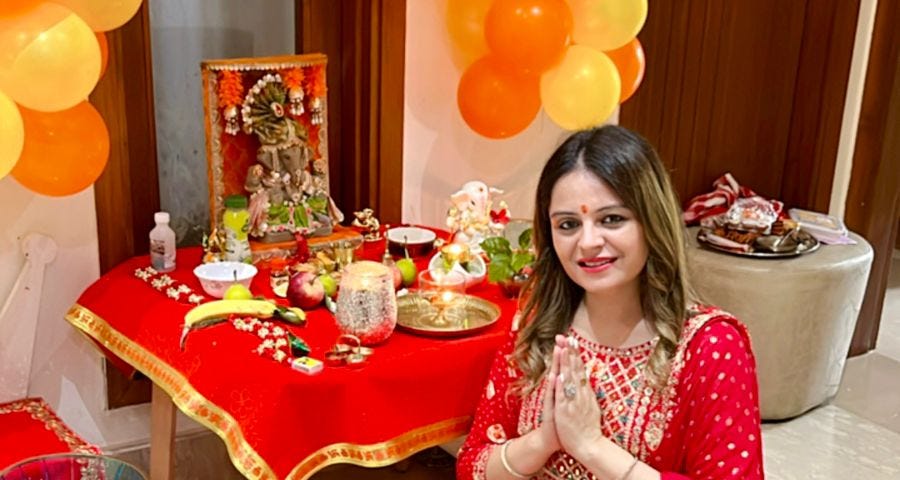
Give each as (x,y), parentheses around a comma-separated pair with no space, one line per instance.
(213,417)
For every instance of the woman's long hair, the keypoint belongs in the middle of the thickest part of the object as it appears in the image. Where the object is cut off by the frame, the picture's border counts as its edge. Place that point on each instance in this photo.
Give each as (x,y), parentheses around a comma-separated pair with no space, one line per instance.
(631,167)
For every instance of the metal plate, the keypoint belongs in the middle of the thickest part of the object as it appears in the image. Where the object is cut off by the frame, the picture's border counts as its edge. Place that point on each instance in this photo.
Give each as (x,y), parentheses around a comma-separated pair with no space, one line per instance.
(806,244)
(465,315)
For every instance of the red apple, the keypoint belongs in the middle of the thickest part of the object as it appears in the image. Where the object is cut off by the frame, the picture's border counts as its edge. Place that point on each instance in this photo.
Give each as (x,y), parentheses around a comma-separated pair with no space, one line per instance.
(305,290)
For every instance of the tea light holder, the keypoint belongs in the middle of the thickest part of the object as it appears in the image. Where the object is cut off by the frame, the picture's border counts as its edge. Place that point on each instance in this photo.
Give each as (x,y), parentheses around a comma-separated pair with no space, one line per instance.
(455,253)
(443,289)
(367,304)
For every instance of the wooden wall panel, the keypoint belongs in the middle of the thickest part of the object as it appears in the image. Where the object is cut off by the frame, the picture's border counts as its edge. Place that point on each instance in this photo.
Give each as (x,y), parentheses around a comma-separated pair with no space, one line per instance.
(873,199)
(365,44)
(730,87)
(127,194)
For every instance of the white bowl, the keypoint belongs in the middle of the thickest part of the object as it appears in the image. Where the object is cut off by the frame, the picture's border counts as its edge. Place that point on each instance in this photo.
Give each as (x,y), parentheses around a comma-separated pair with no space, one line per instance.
(419,241)
(216,277)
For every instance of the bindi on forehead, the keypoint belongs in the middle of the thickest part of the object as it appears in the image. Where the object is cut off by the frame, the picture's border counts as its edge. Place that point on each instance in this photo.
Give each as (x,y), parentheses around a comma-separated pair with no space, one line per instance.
(584,209)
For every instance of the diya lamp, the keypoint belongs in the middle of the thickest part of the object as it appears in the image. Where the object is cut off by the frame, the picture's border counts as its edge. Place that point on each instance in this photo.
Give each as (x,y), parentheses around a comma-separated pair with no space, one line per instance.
(444,290)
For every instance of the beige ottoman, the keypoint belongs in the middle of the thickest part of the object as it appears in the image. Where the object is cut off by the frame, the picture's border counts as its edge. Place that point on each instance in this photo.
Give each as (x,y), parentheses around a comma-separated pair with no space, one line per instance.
(801,312)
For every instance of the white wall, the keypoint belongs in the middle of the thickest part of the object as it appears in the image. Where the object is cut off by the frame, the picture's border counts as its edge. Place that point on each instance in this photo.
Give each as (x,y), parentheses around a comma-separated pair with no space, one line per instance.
(440,152)
(66,369)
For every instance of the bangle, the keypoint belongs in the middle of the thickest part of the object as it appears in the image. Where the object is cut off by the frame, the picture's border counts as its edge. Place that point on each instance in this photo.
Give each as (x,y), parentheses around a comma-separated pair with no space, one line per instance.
(505,462)
(630,469)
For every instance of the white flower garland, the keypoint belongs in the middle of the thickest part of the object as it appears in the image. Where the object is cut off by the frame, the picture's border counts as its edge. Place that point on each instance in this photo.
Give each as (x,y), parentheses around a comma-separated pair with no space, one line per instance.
(169,286)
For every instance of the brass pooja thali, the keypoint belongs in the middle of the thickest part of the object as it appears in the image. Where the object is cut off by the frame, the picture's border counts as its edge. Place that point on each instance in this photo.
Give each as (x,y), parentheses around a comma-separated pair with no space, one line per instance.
(427,313)
(799,242)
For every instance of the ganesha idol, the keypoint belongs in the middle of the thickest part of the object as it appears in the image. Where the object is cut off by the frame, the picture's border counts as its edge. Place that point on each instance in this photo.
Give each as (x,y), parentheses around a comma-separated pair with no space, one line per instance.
(472,217)
(287,194)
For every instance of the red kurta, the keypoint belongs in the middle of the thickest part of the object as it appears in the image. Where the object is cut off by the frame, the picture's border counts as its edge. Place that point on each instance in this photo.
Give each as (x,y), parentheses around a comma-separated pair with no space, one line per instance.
(703,425)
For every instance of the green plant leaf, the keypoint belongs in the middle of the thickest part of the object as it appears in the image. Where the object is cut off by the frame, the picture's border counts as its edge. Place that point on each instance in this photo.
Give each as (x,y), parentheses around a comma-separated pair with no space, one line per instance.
(499,268)
(494,246)
(520,260)
(525,238)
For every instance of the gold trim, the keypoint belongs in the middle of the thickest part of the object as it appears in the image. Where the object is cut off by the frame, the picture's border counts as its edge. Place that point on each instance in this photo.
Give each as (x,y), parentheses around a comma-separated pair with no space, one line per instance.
(213,417)
(384,453)
(40,411)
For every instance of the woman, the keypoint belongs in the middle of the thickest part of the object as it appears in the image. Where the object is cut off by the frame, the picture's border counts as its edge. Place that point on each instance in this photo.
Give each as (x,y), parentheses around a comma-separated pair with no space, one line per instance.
(615,372)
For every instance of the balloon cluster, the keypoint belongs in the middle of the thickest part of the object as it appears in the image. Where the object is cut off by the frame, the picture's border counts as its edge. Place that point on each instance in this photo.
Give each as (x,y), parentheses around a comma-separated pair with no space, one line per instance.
(52,53)
(578,58)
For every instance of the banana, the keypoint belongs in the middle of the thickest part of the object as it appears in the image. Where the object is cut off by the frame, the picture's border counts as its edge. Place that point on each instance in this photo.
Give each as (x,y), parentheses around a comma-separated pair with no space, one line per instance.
(215,312)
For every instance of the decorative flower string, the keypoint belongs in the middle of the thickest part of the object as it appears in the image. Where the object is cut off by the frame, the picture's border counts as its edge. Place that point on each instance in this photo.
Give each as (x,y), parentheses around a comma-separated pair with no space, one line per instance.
(293,81)
(315,84)
(172,288)
(276,342)
(231,89)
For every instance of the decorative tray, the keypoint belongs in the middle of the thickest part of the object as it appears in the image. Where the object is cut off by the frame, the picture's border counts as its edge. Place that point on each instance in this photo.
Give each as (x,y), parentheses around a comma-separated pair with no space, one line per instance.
(799,242)
(420,312)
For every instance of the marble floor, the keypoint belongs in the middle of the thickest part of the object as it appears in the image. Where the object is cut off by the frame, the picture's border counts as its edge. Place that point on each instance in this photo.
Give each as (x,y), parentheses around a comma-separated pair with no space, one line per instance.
(855,436)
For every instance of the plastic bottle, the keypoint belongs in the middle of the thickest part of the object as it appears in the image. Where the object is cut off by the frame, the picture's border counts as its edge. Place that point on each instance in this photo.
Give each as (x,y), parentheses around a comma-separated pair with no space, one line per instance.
(162,244)
(236,220)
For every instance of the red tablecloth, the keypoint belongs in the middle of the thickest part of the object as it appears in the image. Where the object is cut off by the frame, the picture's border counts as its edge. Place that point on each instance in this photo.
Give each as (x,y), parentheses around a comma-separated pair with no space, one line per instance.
(413,393)
(29,428)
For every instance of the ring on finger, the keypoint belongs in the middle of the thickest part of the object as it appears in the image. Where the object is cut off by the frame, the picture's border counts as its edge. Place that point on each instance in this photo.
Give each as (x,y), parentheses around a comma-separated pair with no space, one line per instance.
(569,390)
(584,381)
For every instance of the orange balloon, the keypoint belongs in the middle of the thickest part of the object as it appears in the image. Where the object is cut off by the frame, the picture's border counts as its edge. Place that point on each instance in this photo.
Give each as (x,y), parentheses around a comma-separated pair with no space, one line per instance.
(496,101)
(64,152)
(528,34)
(49,58)
(104,51)
(12,8)
(465,24)
(103,15)
(630,63)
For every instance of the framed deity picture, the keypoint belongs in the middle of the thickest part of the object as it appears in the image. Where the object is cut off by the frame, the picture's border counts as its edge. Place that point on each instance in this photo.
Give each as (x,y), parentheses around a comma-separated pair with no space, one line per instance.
(266,128)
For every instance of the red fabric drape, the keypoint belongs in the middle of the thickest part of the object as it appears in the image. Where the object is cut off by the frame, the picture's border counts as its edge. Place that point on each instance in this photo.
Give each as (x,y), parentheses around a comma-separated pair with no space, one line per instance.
(29,428)
(414,392)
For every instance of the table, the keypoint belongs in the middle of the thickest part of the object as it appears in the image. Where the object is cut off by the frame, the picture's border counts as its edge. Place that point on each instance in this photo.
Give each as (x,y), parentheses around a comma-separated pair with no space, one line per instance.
(414,392)
(801,312)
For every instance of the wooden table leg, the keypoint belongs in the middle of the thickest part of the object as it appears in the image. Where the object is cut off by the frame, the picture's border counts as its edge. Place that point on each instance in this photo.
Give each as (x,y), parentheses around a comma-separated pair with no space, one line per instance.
(162,435)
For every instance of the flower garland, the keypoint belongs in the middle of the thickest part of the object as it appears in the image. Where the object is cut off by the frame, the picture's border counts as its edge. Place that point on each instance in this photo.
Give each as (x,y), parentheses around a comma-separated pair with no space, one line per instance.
(172,288)
(276,342)
(273,338)
(315,84)
(231,89)
(293,81)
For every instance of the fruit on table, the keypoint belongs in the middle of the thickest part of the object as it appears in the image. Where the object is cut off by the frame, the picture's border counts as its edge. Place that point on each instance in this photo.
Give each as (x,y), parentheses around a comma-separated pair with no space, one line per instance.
(408,271)
(305,290)
(329,284)
(237,291)
(218,311)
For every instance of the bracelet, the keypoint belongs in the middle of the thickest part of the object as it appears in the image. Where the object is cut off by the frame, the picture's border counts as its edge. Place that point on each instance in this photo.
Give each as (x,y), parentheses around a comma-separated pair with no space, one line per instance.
(505,462)
(630,469)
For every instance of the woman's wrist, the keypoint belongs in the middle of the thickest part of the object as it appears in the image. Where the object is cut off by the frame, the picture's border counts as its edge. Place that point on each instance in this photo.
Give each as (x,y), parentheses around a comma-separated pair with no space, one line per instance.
(525,455)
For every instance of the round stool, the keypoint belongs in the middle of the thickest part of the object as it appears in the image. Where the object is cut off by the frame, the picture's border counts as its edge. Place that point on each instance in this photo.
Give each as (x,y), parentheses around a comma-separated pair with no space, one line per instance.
(72,466)
(801,312)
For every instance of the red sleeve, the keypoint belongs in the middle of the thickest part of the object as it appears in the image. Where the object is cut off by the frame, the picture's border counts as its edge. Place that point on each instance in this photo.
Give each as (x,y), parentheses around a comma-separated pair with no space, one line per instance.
(496,417)
(721,399)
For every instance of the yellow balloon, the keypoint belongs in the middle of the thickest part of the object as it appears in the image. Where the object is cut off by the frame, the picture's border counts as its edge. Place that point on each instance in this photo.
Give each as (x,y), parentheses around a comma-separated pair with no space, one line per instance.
(583,90)
(103,15)
(607,24)
(465,24)
(49,58)
(12,134)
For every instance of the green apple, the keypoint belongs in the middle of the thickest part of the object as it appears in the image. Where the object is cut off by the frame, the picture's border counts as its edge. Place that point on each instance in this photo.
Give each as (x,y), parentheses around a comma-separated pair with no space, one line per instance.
(329,284)
(237,292)
(407,270)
